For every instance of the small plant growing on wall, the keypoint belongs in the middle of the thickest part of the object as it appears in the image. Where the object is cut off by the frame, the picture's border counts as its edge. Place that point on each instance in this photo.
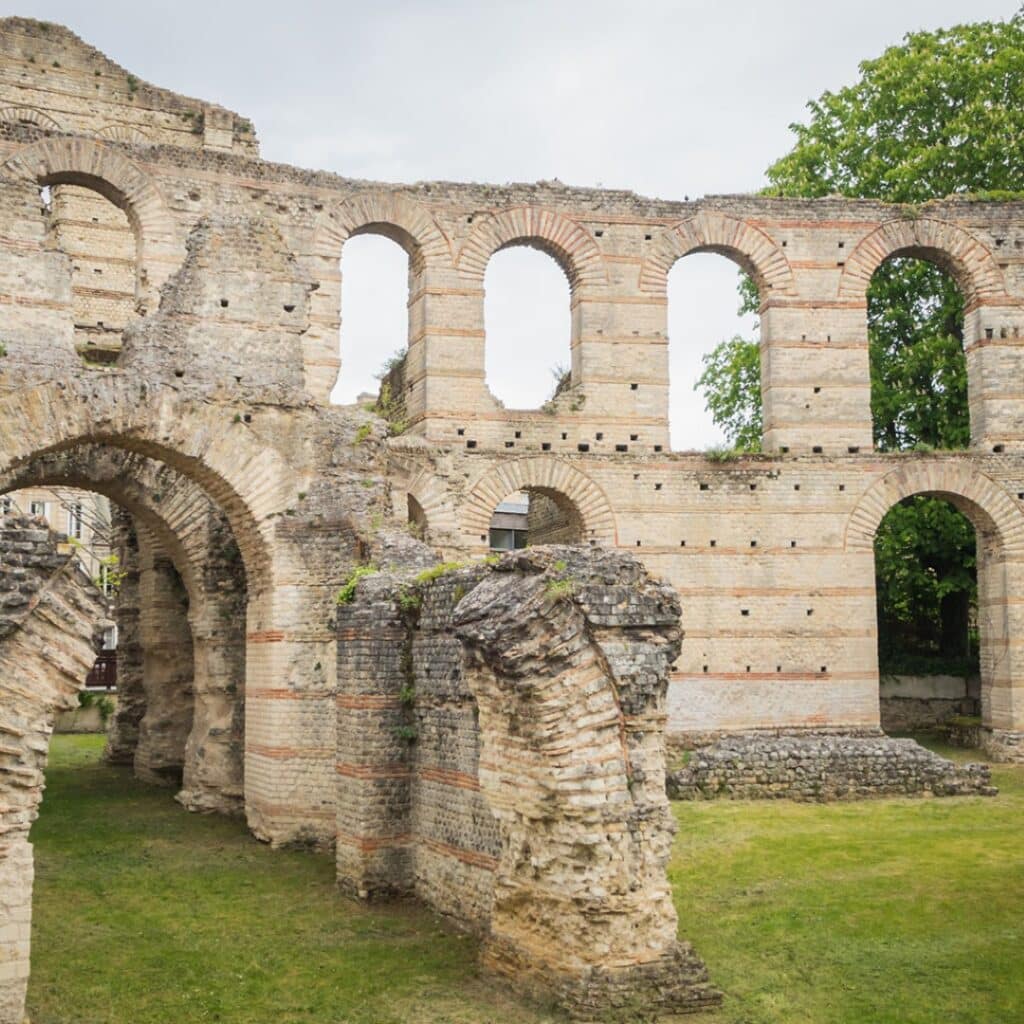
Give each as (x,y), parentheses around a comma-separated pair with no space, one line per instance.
(347,592)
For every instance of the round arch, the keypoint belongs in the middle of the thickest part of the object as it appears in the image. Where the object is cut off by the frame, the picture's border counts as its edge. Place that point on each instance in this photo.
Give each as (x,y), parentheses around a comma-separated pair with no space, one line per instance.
(946,245)
(29,115)
(552,477)
(566,241)
(709,231)
(139,485)
(99,167)
(382,213)
(979,497)
(246,480)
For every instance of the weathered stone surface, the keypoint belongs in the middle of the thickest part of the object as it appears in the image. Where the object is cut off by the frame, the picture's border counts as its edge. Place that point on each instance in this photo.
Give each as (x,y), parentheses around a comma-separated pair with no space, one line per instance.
(50,614)
(823,768)
(211,426)
(501,753)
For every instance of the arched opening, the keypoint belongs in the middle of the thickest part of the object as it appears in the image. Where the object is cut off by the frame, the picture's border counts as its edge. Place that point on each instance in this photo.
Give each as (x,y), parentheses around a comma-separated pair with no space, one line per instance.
(925,549)
(535,515)
(930,630)
(375,288)
(713,356)
(918,366)
(102,248)
(528,325)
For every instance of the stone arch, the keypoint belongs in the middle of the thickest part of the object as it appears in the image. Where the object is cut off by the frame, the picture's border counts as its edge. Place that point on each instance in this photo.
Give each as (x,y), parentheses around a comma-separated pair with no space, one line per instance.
(435,502)
(390,214)
(245,479)
(96,166)
(566,241)
(550,476)
(979,497)
(29,115)
(947,245)
(128,133)
(709,231)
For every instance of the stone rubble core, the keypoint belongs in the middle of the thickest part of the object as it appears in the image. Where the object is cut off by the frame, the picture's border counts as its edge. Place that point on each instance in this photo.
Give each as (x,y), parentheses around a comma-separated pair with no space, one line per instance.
(822,768)
(505,724)
(50,615)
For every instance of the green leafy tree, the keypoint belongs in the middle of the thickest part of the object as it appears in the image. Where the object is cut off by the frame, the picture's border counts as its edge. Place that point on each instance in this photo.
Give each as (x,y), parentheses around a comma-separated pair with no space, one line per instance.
(941,114)
(731,382)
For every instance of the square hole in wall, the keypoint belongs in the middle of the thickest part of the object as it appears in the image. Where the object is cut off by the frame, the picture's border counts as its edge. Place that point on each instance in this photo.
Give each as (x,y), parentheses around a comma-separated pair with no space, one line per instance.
(657,487)
(634,387)
(744,611)
(816,449)
(510,444)
(471,444)
(792,543)
(545,446)
(599,436)
(518,434)
(658,447)
(704,487)
(461,431)
(622,447)
(634,437)
(753,543)
(714,543)
(583,447)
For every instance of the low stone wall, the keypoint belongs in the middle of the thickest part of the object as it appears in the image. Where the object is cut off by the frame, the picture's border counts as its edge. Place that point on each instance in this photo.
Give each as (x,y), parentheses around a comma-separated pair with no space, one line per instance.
(823,768)
(90,719)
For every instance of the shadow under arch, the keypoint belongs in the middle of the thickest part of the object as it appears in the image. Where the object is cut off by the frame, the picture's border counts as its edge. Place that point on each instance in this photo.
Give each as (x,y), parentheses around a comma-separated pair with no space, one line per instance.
(246,480)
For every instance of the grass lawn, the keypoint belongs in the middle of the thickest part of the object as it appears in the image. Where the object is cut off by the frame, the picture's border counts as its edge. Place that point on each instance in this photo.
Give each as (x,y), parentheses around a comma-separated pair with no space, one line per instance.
(902,911)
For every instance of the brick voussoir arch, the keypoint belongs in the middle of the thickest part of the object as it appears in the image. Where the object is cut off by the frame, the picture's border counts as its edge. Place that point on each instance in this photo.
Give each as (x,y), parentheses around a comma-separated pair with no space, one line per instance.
(552,475)
(391,214)
(127,479)
(967,488)
(248,481)
(948,245)
(711,231)
(570,244)
(99,166)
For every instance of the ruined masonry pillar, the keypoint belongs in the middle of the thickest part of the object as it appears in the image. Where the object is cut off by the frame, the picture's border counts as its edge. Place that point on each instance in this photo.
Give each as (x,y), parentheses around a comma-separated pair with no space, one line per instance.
(167,668)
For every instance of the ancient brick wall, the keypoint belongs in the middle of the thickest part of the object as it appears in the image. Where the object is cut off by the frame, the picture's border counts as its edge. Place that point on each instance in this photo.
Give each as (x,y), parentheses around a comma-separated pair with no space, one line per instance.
(212,428)
(498,747)
(49,616)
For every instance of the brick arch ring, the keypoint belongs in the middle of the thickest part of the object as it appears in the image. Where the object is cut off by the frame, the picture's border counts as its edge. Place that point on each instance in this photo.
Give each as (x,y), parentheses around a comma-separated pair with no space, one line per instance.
(382,213)
(102,168)
(29,115)
(979,497)
(247,480)
(550,475)
(947,245)
(571,246)
(709,231)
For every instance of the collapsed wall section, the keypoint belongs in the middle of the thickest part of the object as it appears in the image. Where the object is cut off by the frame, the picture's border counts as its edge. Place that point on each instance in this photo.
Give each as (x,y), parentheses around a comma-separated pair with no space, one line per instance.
(501,756)
(49,615)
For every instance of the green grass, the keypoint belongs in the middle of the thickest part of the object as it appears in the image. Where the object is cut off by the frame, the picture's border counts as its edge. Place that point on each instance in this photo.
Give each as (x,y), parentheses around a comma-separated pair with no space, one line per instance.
(883,912)
(905,911)
(145,914)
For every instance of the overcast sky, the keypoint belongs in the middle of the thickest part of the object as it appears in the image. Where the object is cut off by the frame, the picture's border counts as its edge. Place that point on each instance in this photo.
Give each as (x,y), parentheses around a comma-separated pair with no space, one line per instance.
(665,98)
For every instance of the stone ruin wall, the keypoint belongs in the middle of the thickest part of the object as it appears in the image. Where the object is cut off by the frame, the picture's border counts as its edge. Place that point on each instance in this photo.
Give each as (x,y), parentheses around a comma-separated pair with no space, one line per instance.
(50,614)
(212,430)
(499,757)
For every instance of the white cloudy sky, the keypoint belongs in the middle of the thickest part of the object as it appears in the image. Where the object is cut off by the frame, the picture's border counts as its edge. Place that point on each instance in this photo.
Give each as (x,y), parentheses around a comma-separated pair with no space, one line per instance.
(665,98)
